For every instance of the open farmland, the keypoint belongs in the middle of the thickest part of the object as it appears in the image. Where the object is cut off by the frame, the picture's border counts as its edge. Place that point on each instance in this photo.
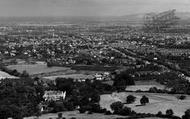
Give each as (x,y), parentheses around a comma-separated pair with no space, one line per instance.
(158,102)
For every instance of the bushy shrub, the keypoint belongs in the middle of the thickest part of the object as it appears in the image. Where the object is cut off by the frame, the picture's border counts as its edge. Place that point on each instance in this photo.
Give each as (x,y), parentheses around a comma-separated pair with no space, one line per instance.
(130,99)
(125,111)
(108,113)
(144,100)
(90,112)
(60,115)
(116,106)
(159,114)
(82,110)
(73,118)
(68,106)
(181,97)
(169,112)
(95,108)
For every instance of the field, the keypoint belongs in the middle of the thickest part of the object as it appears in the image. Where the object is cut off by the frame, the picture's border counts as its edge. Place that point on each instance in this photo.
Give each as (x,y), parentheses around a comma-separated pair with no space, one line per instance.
(74,76)
(76,114)
(5,75)
(158,102)
(37,68)
(144,86)
(51,73)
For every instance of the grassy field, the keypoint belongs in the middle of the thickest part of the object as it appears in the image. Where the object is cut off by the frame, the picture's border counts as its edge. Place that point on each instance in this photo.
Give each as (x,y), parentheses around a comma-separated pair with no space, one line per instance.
(77,115)
(51,73)
(158,102)
(74,76)
(36,68)
(144,86)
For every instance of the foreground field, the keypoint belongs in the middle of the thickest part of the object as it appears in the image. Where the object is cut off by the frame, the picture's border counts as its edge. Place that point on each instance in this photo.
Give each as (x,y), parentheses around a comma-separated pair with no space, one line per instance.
(158,102)
(77,115)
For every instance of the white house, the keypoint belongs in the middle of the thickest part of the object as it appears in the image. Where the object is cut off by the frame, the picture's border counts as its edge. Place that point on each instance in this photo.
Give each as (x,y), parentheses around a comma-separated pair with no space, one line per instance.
(54,95)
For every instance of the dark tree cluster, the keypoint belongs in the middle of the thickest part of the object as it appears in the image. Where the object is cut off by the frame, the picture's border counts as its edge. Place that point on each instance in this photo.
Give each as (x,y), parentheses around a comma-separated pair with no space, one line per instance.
(119,108)
(86,94)
(20,97)
(144,100)
(122,80)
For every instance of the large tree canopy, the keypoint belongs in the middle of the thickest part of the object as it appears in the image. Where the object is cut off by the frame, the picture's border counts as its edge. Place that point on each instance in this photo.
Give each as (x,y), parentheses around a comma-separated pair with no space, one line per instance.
(122,80)
(20,97)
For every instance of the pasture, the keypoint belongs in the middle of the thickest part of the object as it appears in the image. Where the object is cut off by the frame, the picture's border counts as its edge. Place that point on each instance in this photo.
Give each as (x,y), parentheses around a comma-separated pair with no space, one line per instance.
(77,115)
(33,69)
(158,102)
(51,73)
(144,86)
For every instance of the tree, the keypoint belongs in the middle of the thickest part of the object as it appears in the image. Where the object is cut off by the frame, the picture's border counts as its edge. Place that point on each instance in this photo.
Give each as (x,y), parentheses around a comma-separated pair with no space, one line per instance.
(117,106)
(144,100)
(153,90)
(63,84)
(130,99)
(60,116)
(159,114)
(19,98)
(24,74)
(122,80)
(125,111)
(169,112)
(187,114)
(181,97)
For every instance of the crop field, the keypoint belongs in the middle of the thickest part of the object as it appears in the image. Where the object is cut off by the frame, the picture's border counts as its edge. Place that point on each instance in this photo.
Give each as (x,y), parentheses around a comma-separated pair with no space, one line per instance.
(158,102)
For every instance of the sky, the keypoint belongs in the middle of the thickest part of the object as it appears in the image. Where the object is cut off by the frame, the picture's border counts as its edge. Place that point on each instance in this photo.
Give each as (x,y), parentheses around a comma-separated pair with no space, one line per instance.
(88,7)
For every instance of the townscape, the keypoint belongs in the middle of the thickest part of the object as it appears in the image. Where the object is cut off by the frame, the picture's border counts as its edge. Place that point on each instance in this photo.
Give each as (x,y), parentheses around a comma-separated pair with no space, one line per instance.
(109,68)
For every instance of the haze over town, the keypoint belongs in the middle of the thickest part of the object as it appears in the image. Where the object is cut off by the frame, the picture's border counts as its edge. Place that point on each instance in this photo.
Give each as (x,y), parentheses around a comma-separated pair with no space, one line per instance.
(88,7)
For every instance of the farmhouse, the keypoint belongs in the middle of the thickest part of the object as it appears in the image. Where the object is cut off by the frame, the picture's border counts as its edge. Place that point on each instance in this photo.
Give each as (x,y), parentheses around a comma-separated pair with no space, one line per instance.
(54,95)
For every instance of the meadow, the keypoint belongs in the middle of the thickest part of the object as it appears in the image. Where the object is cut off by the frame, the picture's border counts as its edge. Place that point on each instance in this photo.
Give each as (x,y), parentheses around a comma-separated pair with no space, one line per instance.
(36,68)
(158,102)
(144,86)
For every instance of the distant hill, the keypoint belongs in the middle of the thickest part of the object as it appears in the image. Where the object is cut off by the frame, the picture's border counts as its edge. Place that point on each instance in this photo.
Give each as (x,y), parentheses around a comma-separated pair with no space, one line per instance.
(183,15)
(127,19)
(138,18)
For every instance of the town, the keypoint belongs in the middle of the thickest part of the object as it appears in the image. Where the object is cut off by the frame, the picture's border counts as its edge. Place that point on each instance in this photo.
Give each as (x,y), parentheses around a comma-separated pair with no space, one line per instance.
(99,70)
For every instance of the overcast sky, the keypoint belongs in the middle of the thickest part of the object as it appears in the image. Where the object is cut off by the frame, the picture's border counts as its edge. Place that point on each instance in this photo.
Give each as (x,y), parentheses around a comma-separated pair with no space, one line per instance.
(88,7)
